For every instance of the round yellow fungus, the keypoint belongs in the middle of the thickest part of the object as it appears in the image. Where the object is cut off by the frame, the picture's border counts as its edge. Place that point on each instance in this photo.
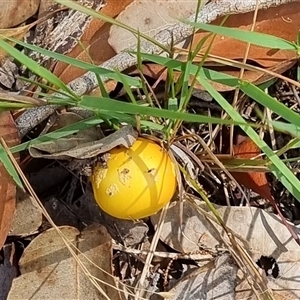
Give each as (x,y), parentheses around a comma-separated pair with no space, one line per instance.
(137,182)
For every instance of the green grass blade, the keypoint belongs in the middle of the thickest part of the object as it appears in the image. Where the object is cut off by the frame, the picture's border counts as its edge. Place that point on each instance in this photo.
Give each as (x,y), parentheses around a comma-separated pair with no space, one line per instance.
(253,91)
(10,167)
(286,128)
(99,104)
(98,77)
(80,64)
(35,67)
(264,99)
(43,87)
(278,168)
(7,105)
(178,65)
(184,95)
(260,39)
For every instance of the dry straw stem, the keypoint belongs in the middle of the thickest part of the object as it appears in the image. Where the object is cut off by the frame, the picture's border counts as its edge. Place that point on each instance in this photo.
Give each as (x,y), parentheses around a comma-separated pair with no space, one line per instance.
(176,33)
(197,256)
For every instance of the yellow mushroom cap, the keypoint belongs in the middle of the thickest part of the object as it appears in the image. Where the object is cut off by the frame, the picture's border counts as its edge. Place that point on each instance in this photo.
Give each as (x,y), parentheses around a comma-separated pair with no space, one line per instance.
(137,182)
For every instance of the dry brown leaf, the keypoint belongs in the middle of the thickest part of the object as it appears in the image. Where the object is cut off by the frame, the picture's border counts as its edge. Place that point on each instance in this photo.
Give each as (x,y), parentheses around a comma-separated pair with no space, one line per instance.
(9,133)
(14,12)
(93,44)
(214,280)
(48,270)
(282,21)
(259,232)
(27,218)
(149,17)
